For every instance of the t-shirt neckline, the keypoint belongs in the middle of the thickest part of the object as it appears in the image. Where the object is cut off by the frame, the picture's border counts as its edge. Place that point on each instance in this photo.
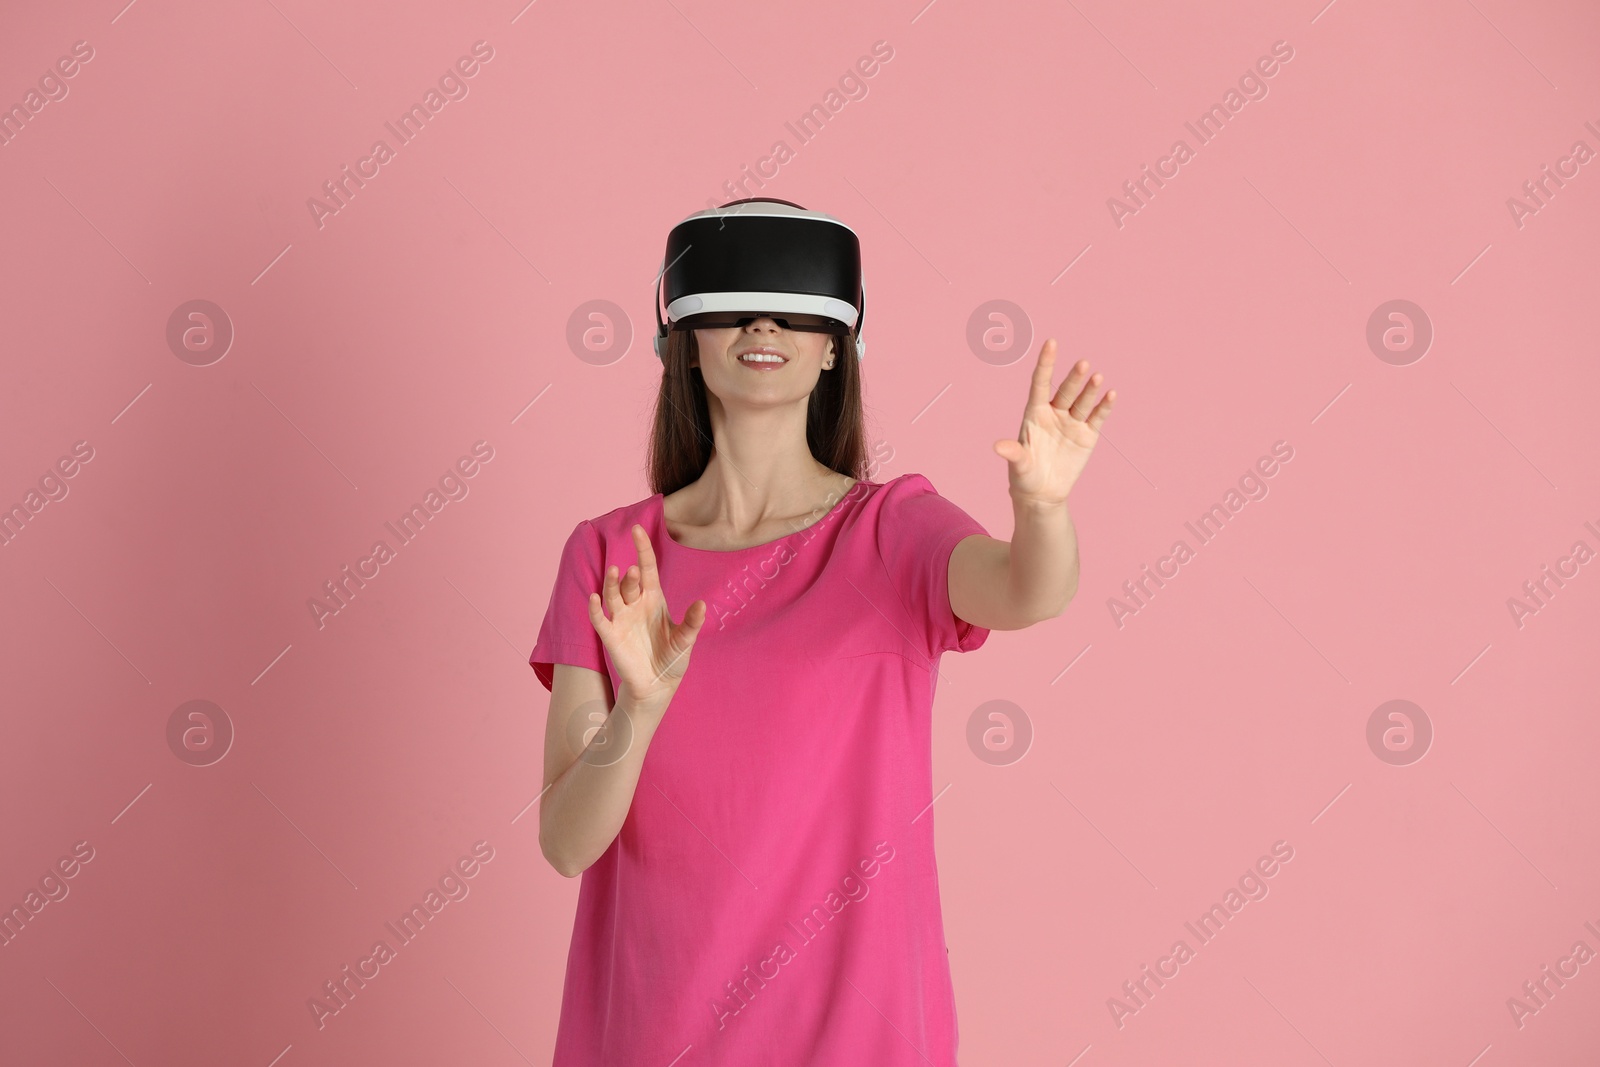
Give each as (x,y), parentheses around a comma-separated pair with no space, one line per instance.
(658,504)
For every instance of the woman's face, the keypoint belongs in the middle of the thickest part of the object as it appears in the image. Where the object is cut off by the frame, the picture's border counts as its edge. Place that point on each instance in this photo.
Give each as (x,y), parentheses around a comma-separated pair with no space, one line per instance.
(759,378)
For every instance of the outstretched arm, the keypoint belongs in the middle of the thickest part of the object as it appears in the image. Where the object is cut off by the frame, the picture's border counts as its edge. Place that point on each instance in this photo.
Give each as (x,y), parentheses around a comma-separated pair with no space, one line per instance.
(1002,585)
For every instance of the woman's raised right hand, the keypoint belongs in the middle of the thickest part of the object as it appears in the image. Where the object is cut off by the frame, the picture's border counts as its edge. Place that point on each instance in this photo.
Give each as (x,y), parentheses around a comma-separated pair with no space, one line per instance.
(648,649)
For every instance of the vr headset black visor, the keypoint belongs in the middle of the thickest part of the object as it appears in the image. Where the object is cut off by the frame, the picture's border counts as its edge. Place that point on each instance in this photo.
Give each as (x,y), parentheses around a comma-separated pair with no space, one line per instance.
(761,258)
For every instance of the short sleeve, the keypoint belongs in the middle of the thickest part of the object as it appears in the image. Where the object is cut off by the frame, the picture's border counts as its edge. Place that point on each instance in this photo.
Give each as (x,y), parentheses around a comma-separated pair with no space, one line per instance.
(567,635)
(917,531)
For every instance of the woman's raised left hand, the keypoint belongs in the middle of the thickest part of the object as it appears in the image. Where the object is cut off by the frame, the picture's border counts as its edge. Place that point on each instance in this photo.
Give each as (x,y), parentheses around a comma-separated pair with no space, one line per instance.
(1058,432)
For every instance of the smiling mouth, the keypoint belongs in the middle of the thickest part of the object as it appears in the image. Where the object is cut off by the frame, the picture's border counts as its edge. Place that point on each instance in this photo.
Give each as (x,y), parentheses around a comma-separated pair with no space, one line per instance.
(770,358)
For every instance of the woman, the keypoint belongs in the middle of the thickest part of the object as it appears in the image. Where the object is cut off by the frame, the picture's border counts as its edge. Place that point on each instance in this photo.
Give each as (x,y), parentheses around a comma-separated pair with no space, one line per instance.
(754,828)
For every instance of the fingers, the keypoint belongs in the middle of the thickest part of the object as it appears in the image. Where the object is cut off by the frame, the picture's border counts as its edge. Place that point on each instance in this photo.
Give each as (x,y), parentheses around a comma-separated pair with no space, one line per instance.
(631,589)
(1039,386)
(618,591)
(1102,409)
(1076,394)
(1084,406)
(597,618)
(693,619)
(684,633)
(1071,386)
(1082,399)
(611,591)
(649,576)
(1010,450)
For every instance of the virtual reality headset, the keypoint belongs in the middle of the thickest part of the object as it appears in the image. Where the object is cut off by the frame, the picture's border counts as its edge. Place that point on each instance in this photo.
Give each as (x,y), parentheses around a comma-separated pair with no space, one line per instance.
(756,258)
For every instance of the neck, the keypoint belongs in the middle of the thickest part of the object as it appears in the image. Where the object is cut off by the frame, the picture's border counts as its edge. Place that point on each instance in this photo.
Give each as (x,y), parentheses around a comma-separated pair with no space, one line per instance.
(761,468)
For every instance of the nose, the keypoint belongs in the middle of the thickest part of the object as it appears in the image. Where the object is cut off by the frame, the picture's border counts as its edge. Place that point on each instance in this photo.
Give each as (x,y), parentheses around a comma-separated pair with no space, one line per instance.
(763,322)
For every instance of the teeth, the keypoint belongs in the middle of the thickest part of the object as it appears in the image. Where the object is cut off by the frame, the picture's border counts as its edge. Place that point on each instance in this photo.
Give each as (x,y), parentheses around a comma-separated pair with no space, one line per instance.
(761,357)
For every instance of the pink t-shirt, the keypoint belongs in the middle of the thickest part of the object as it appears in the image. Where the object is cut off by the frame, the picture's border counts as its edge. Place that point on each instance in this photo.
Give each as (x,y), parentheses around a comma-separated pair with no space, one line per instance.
(772,897)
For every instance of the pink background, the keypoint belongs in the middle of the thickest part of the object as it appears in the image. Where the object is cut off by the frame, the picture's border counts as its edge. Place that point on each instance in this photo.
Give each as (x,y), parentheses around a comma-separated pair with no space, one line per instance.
(370,353)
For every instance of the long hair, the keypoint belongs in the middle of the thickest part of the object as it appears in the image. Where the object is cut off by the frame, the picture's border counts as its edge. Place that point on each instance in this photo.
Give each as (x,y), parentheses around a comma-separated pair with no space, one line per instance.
(681,441)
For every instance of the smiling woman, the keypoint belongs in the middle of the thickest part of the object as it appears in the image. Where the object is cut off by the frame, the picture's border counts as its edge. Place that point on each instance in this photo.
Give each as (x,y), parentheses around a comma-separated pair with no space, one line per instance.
(801,738)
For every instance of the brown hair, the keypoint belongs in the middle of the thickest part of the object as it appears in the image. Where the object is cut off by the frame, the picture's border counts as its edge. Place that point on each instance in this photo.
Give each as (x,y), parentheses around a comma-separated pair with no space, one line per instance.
(681,441)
